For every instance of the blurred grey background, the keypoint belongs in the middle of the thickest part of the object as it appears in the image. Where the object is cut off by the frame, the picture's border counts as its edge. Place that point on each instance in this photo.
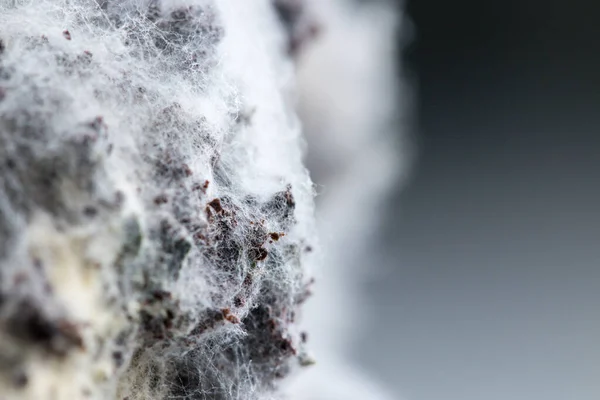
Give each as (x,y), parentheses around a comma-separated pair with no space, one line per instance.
(489,285)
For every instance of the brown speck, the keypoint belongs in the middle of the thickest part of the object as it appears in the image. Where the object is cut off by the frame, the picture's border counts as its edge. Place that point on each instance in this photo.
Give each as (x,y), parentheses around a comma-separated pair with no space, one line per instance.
(216,205)
(67,34)
(275,235)
(233,319)
(161,199)
(206,183)
(229,316)
(224,313)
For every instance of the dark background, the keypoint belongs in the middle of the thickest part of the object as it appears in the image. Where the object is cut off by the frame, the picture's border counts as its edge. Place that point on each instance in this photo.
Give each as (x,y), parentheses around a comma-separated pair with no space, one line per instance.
(490,281)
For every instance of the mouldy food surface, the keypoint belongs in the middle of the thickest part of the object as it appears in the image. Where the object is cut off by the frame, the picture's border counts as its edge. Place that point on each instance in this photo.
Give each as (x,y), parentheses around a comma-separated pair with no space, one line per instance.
(151,244)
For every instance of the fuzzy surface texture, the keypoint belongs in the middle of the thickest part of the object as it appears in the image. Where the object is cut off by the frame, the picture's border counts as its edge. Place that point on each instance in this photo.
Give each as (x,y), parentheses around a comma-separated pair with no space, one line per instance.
(156,218)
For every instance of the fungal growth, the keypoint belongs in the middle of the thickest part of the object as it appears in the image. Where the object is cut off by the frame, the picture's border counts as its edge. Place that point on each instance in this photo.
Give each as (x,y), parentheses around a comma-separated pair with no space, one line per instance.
(154,209)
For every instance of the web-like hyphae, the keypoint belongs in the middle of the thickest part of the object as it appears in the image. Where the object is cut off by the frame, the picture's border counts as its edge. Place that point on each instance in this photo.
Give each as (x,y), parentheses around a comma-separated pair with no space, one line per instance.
(156,219)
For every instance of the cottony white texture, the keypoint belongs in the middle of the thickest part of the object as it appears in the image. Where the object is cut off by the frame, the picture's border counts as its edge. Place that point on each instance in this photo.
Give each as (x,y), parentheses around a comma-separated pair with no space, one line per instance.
(349,105)
(156,219)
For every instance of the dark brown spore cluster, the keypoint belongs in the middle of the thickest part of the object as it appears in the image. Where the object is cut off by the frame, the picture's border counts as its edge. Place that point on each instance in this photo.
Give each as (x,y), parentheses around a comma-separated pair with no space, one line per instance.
(238,247)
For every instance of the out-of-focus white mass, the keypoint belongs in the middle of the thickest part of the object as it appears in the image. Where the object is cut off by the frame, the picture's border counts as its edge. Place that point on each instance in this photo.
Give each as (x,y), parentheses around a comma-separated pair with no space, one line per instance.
(349,104)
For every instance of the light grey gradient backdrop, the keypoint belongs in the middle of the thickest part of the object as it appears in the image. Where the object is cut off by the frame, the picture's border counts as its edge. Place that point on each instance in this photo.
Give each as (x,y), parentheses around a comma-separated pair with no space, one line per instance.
(489,285)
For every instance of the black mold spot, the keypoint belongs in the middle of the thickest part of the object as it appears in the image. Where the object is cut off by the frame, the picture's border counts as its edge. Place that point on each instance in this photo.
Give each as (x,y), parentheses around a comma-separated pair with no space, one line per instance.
(29,323)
